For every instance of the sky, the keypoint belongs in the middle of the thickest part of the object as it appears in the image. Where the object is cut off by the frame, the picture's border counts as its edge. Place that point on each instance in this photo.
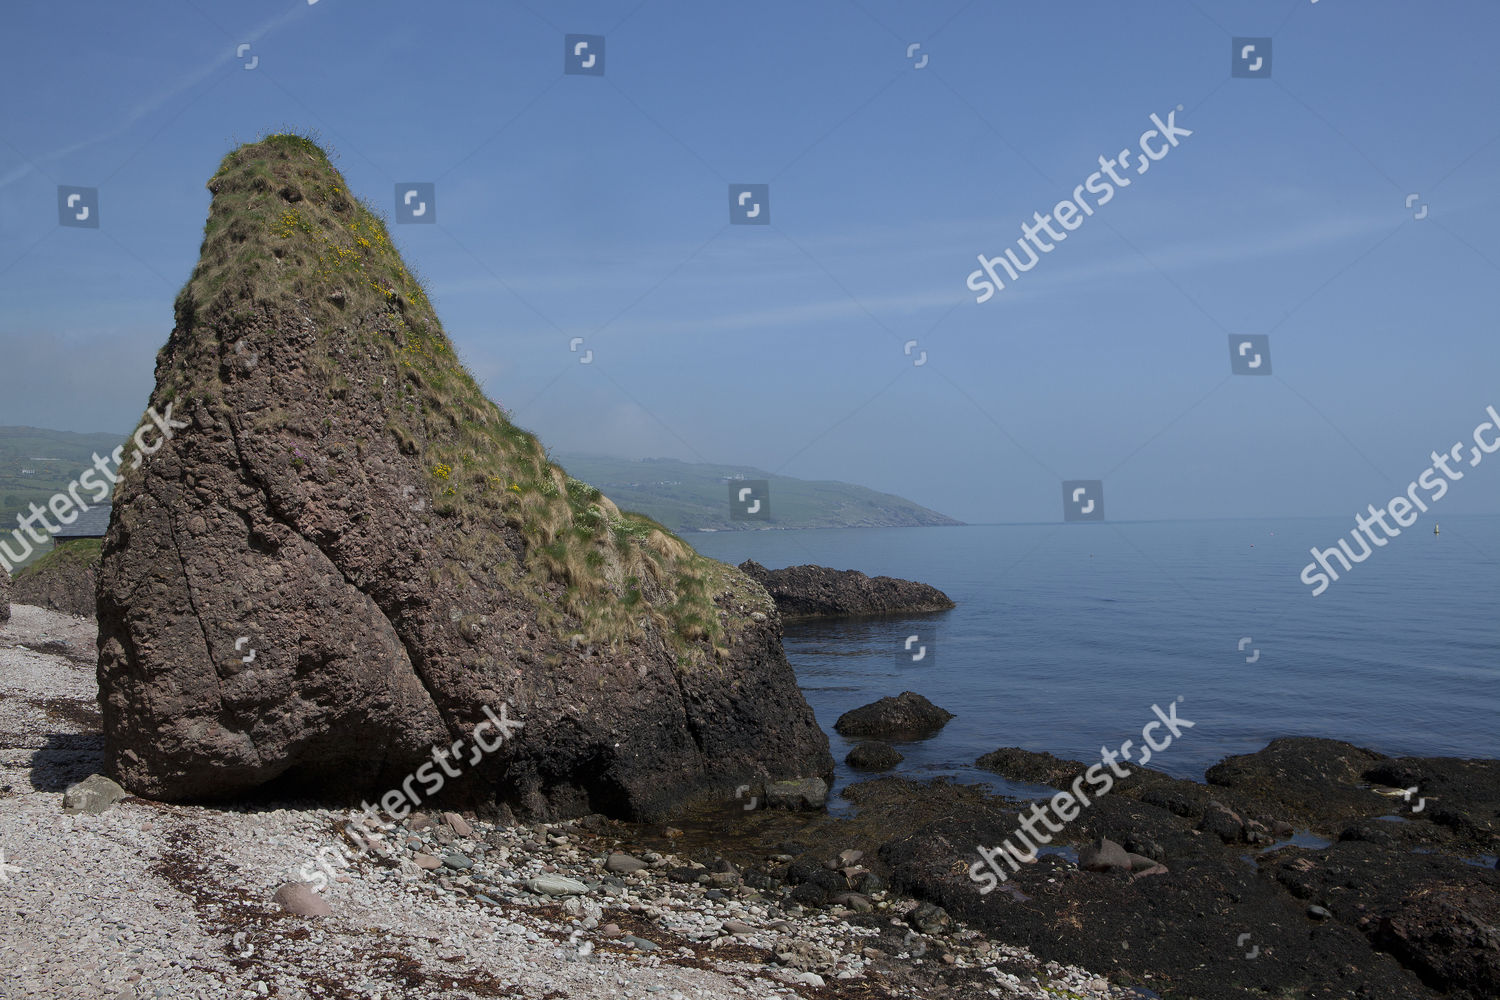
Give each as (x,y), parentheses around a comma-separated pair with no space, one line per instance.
(1343,207)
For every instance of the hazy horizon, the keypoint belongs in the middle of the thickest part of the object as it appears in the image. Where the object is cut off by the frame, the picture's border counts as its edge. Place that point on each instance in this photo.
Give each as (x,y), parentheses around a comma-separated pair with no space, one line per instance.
(1340,207)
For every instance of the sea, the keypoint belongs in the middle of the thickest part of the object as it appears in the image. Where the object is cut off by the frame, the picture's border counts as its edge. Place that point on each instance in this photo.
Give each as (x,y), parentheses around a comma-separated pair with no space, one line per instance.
(1066,635)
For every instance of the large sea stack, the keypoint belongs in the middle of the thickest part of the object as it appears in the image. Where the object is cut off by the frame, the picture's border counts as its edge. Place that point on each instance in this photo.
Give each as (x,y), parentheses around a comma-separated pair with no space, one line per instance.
(345,553)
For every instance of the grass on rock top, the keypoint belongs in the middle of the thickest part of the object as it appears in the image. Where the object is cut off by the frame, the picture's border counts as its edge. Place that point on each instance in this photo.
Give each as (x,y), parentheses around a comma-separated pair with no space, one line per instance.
(79,554)
(285,235)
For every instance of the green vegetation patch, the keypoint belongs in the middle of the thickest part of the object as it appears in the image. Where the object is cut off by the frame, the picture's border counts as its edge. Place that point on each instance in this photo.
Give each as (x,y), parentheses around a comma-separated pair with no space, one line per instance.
(286,237)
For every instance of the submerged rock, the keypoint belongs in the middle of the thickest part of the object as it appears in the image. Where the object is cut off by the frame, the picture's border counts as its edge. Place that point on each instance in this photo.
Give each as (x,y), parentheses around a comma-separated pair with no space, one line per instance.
(873,756)
(907,716)
(344,556)
(820,592)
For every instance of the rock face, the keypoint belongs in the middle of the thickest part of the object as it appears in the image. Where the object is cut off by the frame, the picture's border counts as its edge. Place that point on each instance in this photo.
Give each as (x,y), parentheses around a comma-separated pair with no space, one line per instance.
(4,596)
(820,592)
(909,716)
(64,579)
(345,554)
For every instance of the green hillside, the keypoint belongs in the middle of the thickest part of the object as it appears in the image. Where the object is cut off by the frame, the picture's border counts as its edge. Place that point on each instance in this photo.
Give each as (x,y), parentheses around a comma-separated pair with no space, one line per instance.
(36,464)
(692,496)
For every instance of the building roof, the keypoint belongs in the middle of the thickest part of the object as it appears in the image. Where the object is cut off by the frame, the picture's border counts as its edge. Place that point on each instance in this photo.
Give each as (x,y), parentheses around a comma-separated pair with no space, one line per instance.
(92,523)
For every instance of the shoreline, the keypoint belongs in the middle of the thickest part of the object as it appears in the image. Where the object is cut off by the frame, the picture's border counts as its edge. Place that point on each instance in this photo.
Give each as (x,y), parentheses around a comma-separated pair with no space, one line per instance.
(732,901)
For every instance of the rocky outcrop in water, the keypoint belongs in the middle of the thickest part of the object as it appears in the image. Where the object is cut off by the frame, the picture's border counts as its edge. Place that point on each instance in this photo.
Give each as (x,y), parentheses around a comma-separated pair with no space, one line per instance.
(1388,891)
(346,560)
(820,592)
(908,716)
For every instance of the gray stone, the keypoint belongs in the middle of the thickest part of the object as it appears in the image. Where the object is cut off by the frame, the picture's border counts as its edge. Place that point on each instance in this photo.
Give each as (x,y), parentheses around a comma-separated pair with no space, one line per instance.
(1318,913)
(803,793)
(623,864)
(92,796)
(556,885)
(458,861)
(1103,855)
(639,943)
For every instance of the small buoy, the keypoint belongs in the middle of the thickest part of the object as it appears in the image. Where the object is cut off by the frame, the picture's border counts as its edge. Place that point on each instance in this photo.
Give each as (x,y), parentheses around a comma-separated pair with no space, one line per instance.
(1434,529)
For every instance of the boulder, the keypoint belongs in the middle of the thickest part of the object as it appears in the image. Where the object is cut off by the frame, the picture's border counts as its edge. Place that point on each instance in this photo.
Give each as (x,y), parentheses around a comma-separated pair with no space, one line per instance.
(556,885)
(4,595)
(873,756)
(92,796)
(1104,855)
(345,557)
(907,716)
(64,579)
(299,898)
(623,864)
(820,592)
(803,793)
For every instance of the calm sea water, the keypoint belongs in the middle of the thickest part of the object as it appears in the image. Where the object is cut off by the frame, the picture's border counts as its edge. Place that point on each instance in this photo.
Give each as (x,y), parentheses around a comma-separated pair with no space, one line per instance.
(1065,635)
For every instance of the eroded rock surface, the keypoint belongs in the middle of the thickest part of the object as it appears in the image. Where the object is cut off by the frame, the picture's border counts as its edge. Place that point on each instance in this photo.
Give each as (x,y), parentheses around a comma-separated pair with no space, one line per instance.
(65,579)
(345,554)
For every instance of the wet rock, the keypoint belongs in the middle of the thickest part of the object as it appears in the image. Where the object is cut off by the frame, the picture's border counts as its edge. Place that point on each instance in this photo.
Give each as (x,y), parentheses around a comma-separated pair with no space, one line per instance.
(803,793)
(820,592)
(1224,822)
(92,796)
(856,901)
(809,894)
(873,756)
(906,716)
(930,918)
(1104,855)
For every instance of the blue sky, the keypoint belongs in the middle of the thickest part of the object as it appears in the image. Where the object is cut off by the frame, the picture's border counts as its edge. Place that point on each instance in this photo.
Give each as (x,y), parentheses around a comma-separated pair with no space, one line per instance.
(598,207)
